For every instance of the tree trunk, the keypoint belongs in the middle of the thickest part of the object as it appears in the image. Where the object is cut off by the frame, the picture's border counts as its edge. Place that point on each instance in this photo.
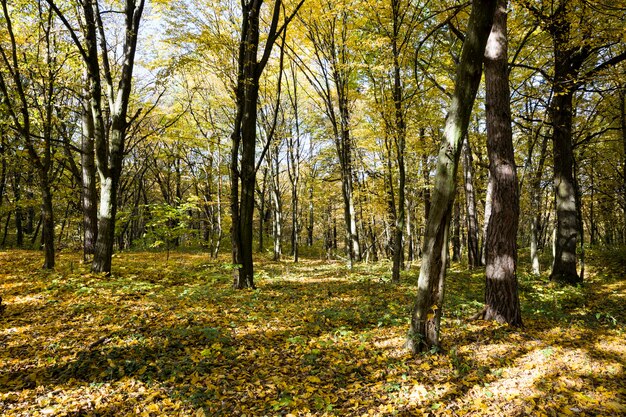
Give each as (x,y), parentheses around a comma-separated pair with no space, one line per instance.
(488,209)
(17,194)
(564,268)
(262,210)
(242,206)
(501,295)
(310,223)
(426,315)
(277,204)
(47,232)
(89,193)
(399,141)
(622,102)
(473,249)
(456,233)
(293,159)
(535,204)
(110,153)
(106,226)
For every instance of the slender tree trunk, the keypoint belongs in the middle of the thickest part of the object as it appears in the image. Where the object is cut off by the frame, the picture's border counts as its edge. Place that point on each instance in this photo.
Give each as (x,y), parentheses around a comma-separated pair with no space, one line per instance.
(89,193)
(426,315)
(311,218)
(47,232)
(17,194)
(262,210)
(501,295)
(217,229)
(535,203)
(456,233)
(473,249)
(277,204)
(293,159)
(400,143)
(488,210)
(409,238)
(6,229)
(622,100)
(426,176)
(249,70)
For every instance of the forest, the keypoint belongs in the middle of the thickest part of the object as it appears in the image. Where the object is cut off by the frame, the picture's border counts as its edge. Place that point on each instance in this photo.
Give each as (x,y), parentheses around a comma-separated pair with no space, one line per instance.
(312,207)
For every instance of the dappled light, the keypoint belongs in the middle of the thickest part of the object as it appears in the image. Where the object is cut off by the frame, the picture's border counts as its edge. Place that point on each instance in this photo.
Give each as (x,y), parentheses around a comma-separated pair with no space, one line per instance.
(173,338)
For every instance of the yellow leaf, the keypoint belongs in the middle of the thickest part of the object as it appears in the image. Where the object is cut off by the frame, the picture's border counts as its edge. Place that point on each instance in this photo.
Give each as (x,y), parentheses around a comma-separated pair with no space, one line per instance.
(314,379)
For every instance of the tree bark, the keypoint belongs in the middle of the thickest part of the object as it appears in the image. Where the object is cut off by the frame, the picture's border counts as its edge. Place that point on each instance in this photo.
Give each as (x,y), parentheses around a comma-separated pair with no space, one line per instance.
(277,203)
(400,144)
(426,315)
(244,135)
(456,233)
(564,267)
(473,248)
(89,193)
(109,161)
(535,203)
(501,294)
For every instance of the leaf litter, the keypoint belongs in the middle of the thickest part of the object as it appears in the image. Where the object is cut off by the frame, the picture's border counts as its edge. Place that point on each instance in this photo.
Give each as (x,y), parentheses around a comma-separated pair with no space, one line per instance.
(172,338)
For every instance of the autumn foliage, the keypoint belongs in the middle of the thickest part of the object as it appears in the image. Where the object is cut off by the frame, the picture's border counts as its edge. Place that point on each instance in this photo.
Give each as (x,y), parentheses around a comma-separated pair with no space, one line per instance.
(173,338)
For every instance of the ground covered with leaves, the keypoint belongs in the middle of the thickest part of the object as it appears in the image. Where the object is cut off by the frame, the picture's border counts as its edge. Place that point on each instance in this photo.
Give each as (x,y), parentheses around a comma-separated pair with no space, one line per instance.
(173,338)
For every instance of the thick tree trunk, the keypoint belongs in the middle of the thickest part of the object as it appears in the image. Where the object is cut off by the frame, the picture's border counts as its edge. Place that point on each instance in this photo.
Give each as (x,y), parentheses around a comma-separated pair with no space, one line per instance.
(248,182)
(501,295)
(426,315)
(564,268)
(109,153)
(106,225)
(473,248)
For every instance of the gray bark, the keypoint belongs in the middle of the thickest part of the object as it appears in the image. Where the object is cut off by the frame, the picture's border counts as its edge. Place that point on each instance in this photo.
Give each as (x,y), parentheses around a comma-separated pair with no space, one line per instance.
(426,314)
(473,249)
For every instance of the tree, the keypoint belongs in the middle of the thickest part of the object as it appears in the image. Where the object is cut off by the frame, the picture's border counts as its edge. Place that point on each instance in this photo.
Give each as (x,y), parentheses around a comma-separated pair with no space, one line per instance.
(579,53)
(334,83)
(110,137)
(243,165)
(23,90)
(426,314)
(473,249)
(501,296)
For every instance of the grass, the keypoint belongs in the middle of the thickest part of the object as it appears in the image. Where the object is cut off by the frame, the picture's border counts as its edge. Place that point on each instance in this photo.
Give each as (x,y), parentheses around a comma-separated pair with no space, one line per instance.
(173,338)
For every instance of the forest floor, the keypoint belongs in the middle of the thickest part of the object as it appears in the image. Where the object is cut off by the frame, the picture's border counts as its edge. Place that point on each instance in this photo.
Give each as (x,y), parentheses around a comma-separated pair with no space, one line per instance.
(173,338)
